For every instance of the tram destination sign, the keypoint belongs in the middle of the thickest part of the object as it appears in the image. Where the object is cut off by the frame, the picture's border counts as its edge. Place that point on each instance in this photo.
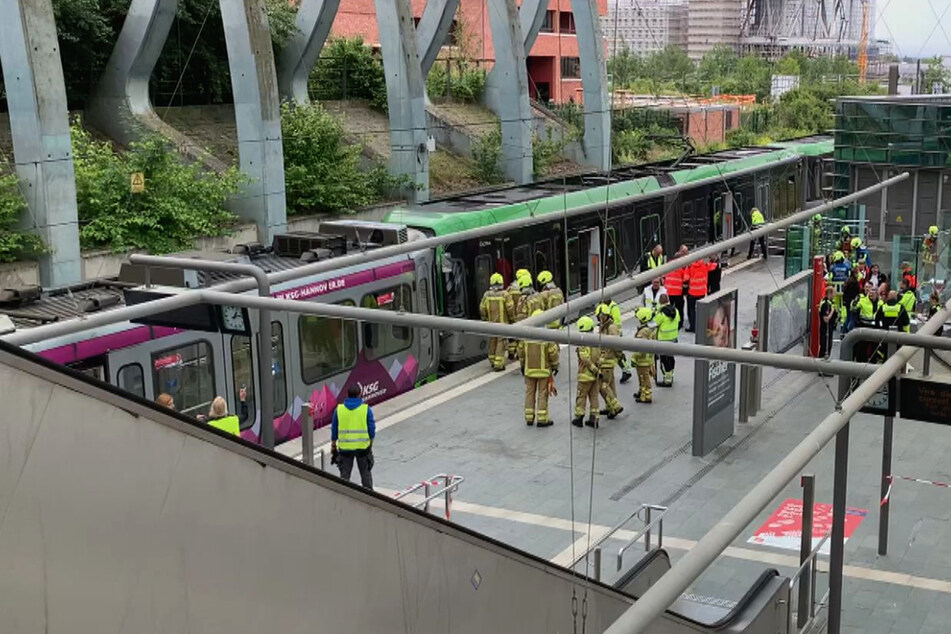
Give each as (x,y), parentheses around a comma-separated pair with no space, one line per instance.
(924,400)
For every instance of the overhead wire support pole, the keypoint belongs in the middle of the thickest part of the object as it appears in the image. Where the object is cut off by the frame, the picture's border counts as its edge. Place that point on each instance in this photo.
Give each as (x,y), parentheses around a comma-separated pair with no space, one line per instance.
(639,617)
(265,356)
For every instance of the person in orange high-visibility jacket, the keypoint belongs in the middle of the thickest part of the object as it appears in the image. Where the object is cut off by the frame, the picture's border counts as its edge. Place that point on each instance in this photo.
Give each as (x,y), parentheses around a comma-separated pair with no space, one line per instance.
(697,274)
(674,283)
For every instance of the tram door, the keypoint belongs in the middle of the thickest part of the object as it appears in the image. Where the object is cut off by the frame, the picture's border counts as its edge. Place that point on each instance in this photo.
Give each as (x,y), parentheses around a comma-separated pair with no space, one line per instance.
(590,244)
(424,305)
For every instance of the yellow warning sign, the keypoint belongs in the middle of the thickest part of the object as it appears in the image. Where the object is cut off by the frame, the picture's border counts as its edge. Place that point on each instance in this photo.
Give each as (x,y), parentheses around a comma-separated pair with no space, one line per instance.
(137,183)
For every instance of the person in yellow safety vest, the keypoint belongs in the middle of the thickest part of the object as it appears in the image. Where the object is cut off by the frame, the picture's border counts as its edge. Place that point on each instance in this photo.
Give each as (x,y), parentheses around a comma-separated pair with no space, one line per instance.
(644,361)
(589,374)
(667,319)
(892,315)
(539,361)
(528,300)
(511,301)
(907,297)
(615,312)
(756,221)
(866,308)
(219,418)
(492,309)
(352,431)
(609,359)
(550,295)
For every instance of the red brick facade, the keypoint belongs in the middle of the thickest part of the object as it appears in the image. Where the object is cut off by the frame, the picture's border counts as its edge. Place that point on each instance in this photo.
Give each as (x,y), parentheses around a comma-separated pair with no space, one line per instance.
(555,50)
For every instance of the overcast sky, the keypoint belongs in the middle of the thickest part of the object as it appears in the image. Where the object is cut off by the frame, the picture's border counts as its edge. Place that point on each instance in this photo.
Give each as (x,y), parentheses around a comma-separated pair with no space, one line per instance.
(908,24)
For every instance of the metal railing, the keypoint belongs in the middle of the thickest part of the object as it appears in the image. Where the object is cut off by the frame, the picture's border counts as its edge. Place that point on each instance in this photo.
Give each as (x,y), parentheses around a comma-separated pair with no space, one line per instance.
(806,614)
(450,484)
(645,509)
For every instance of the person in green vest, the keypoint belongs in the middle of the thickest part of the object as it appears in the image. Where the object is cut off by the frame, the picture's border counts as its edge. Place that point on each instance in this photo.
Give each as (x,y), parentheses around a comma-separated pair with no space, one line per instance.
(589,378)
(539,362)
(609,359)
(892,315)
(219,418)
(757,220)
(667,319)
(352,431)
(907,297)
(492,309)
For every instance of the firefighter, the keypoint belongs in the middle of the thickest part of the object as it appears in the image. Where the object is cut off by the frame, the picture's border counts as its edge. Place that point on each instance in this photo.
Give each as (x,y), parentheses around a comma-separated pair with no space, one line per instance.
(588,378)
(845,239)
(550,295)
(511,302)
(858,253)
(492,309)
(528,300)
(668,324)
(539,362)
(623,361)
(816,230)
(838,274)
(644,361)
(609,359)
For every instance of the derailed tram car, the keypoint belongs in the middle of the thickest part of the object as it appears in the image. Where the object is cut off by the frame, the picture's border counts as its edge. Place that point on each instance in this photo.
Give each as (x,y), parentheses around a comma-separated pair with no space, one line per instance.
(680,202)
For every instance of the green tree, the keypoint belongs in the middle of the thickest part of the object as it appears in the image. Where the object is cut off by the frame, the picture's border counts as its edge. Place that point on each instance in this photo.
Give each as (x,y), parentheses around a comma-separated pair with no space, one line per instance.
(321,168)
(790,64)
(717,65)
(934,73)
(15,243)
(625,67)
(669,65)
(802,110)
(180,201)
(487,158)
(347,69)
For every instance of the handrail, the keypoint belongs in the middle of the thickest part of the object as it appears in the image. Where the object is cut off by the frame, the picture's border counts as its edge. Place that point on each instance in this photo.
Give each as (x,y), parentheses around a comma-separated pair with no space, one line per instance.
(811,564)
(595,548)
(646,532)
(450,485)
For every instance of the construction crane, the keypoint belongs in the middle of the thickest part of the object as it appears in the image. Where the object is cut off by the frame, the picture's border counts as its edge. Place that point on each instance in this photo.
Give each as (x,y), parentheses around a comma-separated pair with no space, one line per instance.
(863,43)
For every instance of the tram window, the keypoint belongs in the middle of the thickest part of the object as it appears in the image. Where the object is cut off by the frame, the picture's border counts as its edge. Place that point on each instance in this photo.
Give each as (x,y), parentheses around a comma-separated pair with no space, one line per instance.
(327,346)
(381,340)
(455,287)
(424,293)
(242,370)
(522,258)
(574,266)
(628,237)
(610,254)
(483,270)
(131,379)
(542,256)
(187,373)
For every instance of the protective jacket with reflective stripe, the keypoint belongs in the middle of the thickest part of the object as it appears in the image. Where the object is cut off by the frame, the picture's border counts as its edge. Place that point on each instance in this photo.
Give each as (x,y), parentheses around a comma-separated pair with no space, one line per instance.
(538,358)
(697,273)
(668,322)
(552,296)
(674,282)
(492,307)
(892,315)
(908,300)
(588,360)
(609,358)
(353,431)
(756,218)
(228,424)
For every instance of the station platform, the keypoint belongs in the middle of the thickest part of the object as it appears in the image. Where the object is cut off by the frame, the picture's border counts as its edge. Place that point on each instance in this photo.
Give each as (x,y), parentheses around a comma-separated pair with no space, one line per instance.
(536,489)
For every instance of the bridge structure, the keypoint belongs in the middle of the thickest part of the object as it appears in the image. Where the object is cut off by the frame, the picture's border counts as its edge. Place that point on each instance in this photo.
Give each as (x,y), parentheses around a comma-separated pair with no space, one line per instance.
(121,105)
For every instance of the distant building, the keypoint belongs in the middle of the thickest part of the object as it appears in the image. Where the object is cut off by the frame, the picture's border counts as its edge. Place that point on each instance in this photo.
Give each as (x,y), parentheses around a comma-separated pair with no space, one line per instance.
(646,26)
(712,23)
(704,121)
(554,67)
(774,27)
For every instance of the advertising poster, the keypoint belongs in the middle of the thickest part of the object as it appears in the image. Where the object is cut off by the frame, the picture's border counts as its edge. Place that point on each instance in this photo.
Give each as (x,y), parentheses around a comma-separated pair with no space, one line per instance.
(783,528)
(714,381)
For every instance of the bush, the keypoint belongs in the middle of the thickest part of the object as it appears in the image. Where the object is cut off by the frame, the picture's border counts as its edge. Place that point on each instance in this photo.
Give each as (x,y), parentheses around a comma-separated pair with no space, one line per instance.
(465,84)
(347,69)
(487,156)
(14,243)
(321,169)
(180,202)
(545,152)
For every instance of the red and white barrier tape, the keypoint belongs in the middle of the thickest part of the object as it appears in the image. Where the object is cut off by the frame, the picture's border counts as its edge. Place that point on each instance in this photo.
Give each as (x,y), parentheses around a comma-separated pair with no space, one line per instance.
(891,483)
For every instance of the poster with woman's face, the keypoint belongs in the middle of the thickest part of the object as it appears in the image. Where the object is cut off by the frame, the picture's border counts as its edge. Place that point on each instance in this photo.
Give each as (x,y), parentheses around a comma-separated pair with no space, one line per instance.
(721,326)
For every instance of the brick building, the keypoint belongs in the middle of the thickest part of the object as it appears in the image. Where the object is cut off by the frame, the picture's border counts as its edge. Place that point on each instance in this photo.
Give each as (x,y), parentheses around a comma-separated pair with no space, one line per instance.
(554,69)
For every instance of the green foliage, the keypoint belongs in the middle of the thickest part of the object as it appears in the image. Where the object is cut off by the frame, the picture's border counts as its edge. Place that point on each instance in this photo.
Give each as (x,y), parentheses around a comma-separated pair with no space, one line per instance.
(456,80)
(625,67)
(180,202)
(14,243)
(546,151)
(347,69)
(803,110)
(487,158)
(934,73)
(321,169)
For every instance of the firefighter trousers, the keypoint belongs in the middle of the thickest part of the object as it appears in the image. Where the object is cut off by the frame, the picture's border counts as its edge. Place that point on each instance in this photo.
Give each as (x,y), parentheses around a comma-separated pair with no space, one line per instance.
(536,400)
(588,391)
(497,352)
(608,390)
(644,381)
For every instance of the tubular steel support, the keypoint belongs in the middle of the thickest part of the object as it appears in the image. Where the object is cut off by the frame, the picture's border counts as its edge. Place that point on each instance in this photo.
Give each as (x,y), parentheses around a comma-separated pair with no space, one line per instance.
(806,588)
(639,617)
(265,361)
(837,555)
(888,437)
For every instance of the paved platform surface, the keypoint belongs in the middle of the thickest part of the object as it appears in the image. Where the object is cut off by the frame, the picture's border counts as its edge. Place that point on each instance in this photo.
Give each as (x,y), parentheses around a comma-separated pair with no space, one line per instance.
(553,491)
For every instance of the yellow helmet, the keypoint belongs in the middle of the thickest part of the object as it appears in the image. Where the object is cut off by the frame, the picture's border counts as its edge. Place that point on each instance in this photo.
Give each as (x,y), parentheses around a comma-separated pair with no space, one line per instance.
(522,273)
(585,324)
(602,309)
(845,229)
(495,279)
(545,277)
(537,311)
(643,314)
(933,230)
(525,281)
(856,243)
(838,256)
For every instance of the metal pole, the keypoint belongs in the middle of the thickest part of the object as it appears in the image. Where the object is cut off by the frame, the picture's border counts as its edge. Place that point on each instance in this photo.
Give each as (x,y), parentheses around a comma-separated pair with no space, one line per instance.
(837,557)
(671,585)
(926,365)
(307,435)
(426,496)
(647,535)
(886,473)
(808,483)
(597,564)
(265,357)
